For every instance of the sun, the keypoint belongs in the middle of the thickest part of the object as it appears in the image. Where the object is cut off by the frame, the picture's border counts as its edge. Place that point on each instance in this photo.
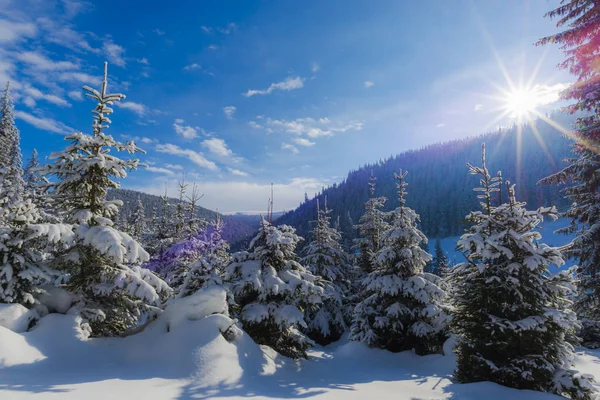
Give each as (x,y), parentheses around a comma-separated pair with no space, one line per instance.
(522,102)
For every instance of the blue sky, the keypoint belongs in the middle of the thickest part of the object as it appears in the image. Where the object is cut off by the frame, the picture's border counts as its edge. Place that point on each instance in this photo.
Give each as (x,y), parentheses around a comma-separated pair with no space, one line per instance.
(239,94)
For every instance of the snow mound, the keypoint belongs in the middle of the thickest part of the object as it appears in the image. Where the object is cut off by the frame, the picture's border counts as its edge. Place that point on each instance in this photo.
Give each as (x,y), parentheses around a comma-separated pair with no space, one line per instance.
(55,299)
(15,350)
(16,317)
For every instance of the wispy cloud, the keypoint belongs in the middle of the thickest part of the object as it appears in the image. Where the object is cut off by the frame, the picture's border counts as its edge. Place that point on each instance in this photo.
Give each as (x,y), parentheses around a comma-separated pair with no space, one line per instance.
(311,127)
(80,77)
(290,147)
(188,132)
(143,61)
(217,146)
(314,67)
(478,107)
(193,156)
(303,142)
(43,63)
(160,170)
(229,29)
(45,124)
(36,94)
(115,53)
(191,67)
(229,111)
(75,95)
(288,84)
(369,84)
(212,47)
(254,125)
(159,32)
(440,125)
(237,172)
(12,31)
(137,108)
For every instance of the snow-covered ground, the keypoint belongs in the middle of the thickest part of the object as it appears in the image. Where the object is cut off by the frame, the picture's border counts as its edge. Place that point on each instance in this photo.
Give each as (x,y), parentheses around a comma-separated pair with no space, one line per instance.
(188,358)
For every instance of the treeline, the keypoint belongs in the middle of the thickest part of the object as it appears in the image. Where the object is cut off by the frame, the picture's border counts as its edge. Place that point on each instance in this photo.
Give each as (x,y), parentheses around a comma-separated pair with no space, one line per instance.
(440,191)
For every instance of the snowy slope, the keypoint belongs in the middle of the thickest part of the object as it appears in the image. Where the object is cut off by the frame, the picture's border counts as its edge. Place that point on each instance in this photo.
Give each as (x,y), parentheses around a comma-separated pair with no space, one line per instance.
(194,361)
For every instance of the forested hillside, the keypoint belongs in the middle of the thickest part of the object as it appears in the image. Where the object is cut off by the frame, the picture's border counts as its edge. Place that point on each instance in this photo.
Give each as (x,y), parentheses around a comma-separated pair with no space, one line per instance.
(440,190)
(237,229)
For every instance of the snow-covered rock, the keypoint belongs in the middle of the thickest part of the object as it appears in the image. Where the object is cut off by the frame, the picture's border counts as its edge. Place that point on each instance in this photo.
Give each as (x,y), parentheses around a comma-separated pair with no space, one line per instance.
(16,317)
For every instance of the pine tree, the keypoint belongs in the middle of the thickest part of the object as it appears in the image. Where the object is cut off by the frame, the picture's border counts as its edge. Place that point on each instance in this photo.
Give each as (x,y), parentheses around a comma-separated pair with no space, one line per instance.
(34,181)
(11,162)
(272,291)
(100,268)
(440,261)
(403,308)
(138,220)
(180,217)
(25,243)
(371,226)
(511,316)
(326,258)
(207,270)
(194,224)
(580,44)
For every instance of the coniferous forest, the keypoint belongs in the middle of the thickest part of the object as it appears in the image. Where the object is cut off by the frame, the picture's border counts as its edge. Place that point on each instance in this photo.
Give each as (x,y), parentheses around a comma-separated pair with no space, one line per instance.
(136,275)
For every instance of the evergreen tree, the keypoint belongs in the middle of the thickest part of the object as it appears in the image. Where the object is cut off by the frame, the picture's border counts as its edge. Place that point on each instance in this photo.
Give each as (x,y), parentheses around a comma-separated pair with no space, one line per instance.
(194,224)
(25,243)
(403,308)
(11,163)
(511,316)
(326,258)
(440,261)
(100,268)
(138,220)
(580,44)
(371,226)
(180,210)
(208,269)
(272,291)
(33,179)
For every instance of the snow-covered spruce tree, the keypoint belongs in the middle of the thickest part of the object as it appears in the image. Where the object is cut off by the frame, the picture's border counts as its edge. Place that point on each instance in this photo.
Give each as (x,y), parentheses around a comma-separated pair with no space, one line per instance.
(440,261)
(12,165)
(272,291)
(207,270)
(326,258)
(371,225)
(511,316)
(404,307)
(194,223)
(101,267)
(138,220)
(180,213)
(580,44)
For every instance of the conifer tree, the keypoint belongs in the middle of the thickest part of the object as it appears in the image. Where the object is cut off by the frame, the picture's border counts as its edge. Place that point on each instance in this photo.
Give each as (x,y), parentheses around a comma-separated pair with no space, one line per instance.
(512,317)
(440,261)
(580,44)
(101,267)
(404,307)
(194,224)
(11,163)
(180,210)
(32,177)
(138,220)
(326,258)
(207,270)
(272,291)
(371,226)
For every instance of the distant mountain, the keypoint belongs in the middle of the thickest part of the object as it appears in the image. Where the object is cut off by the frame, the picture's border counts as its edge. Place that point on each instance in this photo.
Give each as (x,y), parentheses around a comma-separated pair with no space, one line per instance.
(439,187)
(238,227)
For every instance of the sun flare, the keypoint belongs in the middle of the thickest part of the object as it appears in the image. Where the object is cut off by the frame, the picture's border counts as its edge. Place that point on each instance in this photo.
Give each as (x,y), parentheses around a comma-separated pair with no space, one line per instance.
(522,102)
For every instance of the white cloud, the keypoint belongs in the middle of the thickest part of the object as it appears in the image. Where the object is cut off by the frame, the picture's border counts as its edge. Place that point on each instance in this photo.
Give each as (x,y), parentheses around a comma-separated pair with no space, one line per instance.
(29,102)
(75,95)
(206,29)
(45,124)
(237,172)
(144,61)
(303,142)
(229,111)
(478,107)
(217,146)
(137,108)
(186,131)
(290,147)
(191,67)
(440,125)
(286,85)
(314,67)
(160,170)
(242,195)
(311,127)
(38,95)
(179,121)
(254,125)
(195,157)
(12,31)
(147,140)
(212,47)
(62,34)
(159,32)
(369,84)
(43,63)
(80,77)
(115,53)
(230,28)
(173,166)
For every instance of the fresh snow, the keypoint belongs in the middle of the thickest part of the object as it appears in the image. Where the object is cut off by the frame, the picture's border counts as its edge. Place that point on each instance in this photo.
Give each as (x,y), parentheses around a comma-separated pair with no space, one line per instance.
(183,356)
